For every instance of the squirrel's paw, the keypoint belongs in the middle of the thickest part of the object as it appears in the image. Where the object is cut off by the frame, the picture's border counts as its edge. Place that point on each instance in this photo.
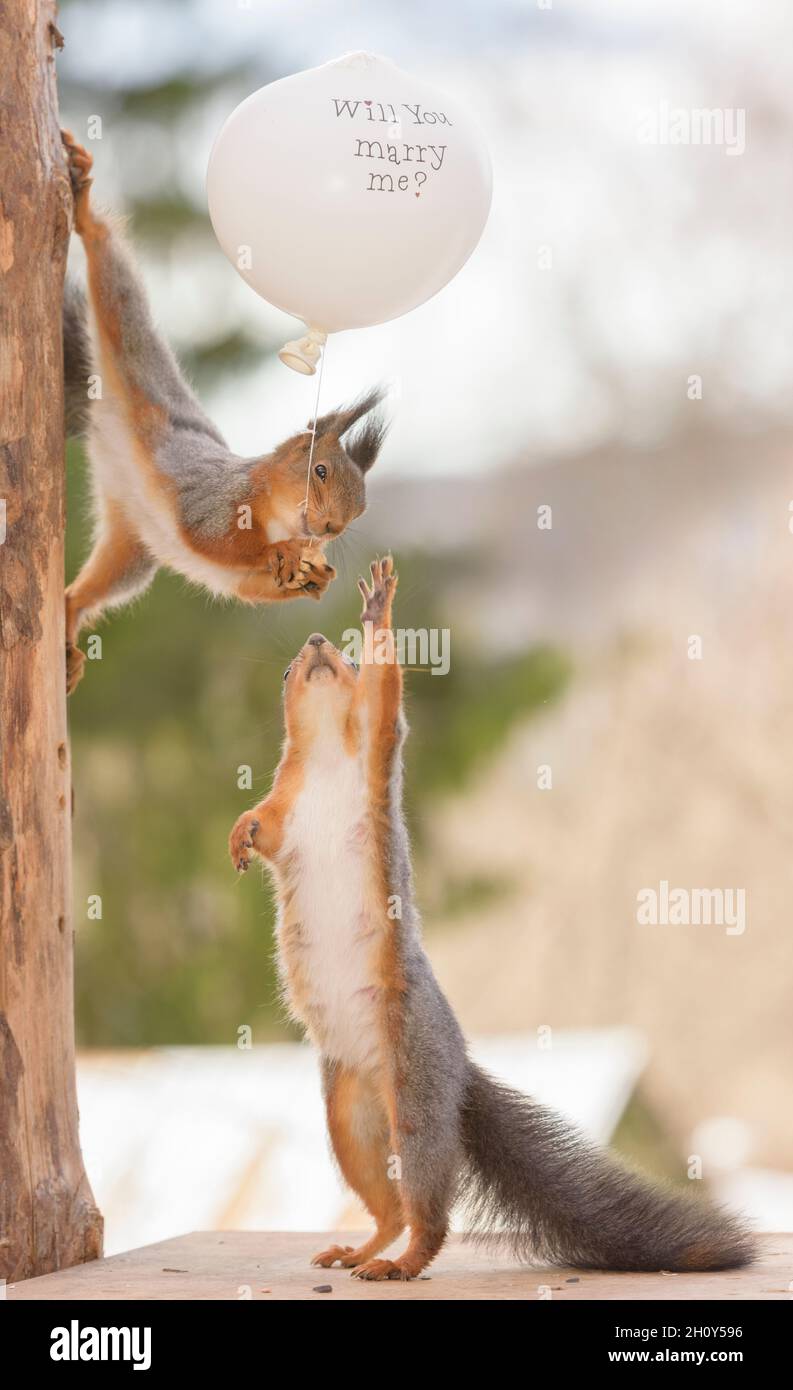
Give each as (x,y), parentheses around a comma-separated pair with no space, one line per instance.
(344,1255)
(299,566)
(383,1269)
(377,596)
(80,165)
(317,574)
(241,841)
(75,665)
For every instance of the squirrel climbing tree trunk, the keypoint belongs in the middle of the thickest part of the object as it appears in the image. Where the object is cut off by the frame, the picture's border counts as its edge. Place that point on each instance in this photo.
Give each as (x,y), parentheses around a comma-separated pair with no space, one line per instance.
(48,1218)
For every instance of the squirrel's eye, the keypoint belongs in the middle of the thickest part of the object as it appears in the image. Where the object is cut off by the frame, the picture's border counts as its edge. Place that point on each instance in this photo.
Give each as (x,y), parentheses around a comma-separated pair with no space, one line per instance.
(286,672)
(321,472)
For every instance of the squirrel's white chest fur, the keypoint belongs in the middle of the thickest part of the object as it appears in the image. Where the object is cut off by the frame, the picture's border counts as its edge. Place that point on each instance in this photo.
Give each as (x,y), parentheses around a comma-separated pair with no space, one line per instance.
(329,843)
(119,478)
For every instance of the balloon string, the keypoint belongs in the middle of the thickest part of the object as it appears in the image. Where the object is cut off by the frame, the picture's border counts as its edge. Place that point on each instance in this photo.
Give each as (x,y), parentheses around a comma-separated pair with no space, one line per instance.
(314,435)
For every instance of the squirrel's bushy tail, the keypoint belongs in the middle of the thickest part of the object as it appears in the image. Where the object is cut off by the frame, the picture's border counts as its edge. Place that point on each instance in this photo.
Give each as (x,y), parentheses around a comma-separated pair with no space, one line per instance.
(76,359)
(551,1194)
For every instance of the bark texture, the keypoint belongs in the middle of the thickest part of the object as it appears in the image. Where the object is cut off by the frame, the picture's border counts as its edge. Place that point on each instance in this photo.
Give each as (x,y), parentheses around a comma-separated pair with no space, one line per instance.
(48,1219)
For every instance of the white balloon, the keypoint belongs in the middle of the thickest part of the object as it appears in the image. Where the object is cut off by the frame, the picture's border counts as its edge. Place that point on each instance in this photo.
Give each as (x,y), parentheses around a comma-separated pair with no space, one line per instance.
(348,194)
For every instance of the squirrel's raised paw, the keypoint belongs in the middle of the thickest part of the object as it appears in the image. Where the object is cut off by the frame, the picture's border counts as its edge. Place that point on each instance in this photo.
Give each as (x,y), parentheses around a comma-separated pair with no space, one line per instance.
(75,666)
(241,842)
(377,596)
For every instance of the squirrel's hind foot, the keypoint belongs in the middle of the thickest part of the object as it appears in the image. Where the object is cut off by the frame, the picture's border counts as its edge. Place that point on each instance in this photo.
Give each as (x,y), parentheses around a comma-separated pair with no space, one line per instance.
(80,164)
(385,1269)
(344,1255)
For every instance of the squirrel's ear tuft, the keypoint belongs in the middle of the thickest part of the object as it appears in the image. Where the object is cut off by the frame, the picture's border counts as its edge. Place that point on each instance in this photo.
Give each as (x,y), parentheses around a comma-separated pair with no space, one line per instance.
(364,448)
(367,442)
(325,423)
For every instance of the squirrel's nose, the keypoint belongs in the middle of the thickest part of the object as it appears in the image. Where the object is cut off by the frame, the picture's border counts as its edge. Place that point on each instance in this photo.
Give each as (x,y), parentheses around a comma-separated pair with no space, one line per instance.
(316,639)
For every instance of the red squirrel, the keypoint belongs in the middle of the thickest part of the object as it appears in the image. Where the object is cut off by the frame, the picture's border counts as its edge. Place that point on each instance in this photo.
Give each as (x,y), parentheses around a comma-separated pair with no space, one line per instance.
(167,489)
(414,1123)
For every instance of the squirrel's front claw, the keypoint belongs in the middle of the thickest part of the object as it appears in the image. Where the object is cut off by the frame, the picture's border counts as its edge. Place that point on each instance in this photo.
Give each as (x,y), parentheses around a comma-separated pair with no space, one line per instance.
(75,667)
(241,842)
(316,576)
(301,567)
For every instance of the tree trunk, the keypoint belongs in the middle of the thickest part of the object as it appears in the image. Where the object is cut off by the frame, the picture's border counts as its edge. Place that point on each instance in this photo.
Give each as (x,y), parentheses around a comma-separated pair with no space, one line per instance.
(47,1214)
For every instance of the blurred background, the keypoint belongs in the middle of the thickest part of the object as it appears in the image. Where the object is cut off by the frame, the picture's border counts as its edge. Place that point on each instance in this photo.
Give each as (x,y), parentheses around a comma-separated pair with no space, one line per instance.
(617,350)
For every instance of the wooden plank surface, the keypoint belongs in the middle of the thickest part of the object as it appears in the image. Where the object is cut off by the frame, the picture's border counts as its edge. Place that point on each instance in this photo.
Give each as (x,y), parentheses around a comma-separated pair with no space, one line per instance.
(274,1265)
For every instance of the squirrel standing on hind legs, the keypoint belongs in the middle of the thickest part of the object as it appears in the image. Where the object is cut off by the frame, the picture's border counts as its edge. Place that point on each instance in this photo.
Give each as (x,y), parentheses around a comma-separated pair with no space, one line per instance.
(167,489)
(414,1123)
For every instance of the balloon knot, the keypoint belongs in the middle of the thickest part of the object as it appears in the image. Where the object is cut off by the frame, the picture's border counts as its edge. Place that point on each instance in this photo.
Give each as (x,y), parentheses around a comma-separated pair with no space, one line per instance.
(303,354)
